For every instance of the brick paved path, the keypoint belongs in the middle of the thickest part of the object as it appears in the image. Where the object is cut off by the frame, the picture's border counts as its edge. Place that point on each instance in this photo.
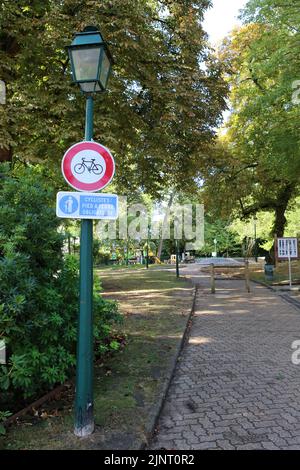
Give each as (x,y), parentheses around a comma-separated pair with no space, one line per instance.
(235,386)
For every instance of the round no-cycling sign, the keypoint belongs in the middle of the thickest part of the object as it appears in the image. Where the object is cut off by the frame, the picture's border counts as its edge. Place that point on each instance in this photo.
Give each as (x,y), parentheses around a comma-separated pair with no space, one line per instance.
(88,166)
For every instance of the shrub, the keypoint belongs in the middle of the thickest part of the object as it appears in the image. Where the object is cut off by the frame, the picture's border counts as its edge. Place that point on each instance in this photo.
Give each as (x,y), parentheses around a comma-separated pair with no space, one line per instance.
(100,255)
(39,289)
(3,416)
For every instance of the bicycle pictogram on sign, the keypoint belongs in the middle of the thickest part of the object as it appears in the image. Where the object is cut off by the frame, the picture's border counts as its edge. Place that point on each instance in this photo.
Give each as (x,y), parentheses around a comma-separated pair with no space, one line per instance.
(88,165)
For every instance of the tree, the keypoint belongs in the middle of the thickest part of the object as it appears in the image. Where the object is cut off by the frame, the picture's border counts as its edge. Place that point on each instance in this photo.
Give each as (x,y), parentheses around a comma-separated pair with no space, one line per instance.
(257,164)
(221,231)
(162,105)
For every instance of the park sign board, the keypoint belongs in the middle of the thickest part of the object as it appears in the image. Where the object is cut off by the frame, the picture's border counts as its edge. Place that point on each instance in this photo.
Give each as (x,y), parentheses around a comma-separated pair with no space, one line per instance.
(287,248)
(88,166)
(75,205)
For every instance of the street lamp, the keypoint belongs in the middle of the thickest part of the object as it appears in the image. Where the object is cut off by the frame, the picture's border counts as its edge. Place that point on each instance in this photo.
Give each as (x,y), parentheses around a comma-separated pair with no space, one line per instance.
(177,257)
(91,61)
(147,250)
(177,223)
(91,64)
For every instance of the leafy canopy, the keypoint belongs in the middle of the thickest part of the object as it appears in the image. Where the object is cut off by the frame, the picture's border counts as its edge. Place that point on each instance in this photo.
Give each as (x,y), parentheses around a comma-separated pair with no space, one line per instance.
(162,105)
(257,163)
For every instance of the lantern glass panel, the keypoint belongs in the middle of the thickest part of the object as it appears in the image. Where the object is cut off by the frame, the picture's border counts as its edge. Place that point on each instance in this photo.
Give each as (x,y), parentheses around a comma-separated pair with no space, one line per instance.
(90,87)
(86,63)
(105,68)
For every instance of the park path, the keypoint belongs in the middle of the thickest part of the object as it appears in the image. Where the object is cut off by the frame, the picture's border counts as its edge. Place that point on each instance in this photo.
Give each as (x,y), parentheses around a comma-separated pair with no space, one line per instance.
(235,386)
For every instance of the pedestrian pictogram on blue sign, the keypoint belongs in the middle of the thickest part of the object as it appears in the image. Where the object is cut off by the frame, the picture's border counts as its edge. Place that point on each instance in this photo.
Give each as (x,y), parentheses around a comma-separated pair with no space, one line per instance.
(68,205)
(87,206)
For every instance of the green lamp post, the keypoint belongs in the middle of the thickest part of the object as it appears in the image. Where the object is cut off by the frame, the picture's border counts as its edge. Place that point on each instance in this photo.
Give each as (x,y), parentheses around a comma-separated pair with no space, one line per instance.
(91,65)
(147,247)
(177,257)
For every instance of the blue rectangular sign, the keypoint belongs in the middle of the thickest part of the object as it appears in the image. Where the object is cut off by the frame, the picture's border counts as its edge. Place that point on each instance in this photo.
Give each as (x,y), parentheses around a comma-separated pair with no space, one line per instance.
(75,205)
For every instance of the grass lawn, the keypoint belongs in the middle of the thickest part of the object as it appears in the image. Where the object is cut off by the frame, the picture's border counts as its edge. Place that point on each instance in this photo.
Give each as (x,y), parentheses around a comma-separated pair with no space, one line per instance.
(156,307)
(281,273)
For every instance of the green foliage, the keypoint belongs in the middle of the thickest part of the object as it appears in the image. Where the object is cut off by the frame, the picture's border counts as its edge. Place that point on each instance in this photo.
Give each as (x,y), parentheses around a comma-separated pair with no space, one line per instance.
(3,416)
(105,250)
(227,238)
(38,289)
(106,314)
(293,217)
(256,166)
(101,252)
(164,100)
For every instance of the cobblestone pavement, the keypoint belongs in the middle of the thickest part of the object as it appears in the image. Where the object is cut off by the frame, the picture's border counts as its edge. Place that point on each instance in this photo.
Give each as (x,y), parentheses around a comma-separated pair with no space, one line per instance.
(235,386)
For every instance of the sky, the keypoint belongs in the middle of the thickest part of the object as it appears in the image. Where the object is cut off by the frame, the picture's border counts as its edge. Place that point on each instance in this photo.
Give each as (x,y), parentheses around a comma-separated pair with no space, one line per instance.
(222,18)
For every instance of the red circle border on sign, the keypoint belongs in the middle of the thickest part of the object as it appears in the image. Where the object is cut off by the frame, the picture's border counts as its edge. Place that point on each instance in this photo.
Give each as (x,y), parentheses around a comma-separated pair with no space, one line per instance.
(73,181)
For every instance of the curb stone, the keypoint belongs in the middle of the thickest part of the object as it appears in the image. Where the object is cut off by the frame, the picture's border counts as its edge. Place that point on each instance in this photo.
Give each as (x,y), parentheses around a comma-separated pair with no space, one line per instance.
(165,385)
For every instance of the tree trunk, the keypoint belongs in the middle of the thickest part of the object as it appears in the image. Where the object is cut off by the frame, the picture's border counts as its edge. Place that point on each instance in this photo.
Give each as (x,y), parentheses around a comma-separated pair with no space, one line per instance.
(5,155)
(284,198)
(280,220)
